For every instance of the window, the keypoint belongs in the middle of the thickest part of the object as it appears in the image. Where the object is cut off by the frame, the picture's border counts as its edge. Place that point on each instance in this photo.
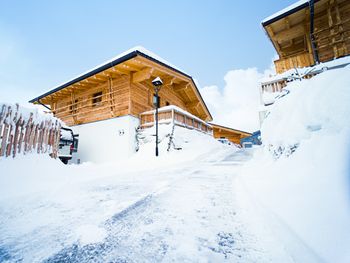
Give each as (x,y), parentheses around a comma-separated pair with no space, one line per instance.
(155,100)
(97,99)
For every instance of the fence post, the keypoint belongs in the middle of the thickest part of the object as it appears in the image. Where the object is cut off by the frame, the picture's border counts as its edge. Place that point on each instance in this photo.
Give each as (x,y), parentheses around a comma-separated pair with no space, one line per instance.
(15,142)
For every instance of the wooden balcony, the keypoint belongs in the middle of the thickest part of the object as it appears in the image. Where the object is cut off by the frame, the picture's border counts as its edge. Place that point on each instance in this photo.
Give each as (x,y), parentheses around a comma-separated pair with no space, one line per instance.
(176,116)
(297,61)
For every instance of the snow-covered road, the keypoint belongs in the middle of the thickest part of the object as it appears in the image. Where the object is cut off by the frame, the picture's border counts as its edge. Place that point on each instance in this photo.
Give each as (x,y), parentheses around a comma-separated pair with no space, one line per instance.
(187,213)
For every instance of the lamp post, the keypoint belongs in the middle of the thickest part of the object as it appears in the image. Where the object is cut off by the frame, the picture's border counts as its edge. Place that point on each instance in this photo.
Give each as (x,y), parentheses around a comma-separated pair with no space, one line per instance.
(157,83)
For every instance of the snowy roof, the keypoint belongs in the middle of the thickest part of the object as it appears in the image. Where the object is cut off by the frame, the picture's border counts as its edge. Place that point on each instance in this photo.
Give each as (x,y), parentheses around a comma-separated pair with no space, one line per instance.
(129,54)
(286,11)
(228,128)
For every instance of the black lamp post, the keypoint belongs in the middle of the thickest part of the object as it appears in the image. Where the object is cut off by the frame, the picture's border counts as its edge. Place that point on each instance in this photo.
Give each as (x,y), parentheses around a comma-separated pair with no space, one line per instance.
(157,83)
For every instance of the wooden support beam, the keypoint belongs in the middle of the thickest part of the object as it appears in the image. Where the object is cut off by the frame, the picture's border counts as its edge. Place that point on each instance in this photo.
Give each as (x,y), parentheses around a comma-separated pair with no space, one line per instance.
(142,75)
(162,69)
(276,45)
(290,33)
(344,50)
(181,87)
(193,104)
(169,81)
(286,21)
(122,70)
(129,67)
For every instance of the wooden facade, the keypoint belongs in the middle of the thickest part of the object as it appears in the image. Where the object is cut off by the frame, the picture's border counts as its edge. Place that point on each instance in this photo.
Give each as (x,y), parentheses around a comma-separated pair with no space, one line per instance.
(315,31)
(233,135)
(123,87)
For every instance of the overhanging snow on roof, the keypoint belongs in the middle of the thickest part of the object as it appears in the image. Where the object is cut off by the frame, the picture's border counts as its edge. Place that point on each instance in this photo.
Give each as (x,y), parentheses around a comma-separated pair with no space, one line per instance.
(286,11)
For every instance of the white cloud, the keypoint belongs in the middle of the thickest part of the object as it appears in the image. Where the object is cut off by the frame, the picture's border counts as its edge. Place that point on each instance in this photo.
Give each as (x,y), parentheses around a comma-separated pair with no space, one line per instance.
(236,105)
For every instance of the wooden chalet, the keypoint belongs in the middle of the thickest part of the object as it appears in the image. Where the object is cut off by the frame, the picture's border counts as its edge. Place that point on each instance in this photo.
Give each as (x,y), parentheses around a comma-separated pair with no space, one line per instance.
(233,135)
(97,101)
(123,86)
(309,32)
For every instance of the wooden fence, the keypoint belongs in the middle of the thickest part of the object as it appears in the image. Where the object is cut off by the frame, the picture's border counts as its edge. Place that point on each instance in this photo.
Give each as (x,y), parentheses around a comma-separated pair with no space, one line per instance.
(22,132)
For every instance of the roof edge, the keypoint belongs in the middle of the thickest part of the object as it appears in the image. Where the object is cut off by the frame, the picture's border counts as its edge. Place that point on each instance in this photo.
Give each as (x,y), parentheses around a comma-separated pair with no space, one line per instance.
(115,62)
(225,127)
(287,13)
(87,75)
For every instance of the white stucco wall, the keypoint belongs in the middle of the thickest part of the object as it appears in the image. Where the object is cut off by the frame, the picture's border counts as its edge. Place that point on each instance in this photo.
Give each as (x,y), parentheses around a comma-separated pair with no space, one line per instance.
(107,140)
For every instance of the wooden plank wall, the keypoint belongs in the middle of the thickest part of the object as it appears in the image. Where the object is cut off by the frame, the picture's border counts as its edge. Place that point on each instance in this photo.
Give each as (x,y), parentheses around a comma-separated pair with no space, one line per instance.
(142,97)
(79,108)
(19,134)
(301,60)
(120,96)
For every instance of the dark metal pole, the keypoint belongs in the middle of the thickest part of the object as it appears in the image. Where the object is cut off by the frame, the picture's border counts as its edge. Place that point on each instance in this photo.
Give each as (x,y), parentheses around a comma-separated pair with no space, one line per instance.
(312,27)
(157,99)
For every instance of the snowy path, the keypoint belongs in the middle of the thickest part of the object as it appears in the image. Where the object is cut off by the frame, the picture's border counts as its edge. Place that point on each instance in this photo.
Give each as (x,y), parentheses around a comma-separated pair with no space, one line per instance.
(190,215)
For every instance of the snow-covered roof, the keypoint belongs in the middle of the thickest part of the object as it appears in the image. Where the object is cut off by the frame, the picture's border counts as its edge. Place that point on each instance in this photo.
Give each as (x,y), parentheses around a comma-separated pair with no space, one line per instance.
(139,49)
(286,11)
(122,57)
(228,128)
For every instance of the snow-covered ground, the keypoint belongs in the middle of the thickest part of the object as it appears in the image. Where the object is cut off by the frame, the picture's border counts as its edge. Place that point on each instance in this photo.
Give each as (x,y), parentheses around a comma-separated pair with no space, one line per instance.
(181,207)
(202,201)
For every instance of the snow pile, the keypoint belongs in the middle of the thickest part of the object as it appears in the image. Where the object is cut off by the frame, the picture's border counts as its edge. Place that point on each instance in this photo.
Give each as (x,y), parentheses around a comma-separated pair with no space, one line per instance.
(317,105)
(175,143)
(300,178)
(8,111)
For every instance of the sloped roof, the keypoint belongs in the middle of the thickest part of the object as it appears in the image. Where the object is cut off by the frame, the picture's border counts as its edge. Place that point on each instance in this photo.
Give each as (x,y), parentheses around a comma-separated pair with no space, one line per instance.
(286,11)
(217,126)
(123,57)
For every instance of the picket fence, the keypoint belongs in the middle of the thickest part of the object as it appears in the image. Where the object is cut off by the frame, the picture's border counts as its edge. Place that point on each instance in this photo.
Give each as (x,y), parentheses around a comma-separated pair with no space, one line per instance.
(22,131)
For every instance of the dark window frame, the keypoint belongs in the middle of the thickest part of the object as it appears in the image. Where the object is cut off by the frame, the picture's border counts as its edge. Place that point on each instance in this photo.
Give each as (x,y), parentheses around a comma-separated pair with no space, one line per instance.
(97,99)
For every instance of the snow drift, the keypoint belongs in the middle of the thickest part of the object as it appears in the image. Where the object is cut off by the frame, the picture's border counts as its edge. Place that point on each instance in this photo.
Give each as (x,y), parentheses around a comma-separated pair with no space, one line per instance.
(302,175)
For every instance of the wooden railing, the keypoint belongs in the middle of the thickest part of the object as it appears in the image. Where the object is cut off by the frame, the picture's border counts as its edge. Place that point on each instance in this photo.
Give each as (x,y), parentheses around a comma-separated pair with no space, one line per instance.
(176,116)
(24,132)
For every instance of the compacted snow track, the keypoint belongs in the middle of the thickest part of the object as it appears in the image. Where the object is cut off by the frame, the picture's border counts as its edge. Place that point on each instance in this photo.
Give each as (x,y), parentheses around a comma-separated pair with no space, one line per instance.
(185,214)
(192,219)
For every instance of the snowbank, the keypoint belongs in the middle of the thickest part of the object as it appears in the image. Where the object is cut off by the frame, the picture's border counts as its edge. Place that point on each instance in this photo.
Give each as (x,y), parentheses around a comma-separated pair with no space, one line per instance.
(301,178)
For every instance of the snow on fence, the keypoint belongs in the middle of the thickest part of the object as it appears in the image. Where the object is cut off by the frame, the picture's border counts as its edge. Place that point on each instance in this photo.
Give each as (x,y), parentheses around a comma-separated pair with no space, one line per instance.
(25,131)
(176,116)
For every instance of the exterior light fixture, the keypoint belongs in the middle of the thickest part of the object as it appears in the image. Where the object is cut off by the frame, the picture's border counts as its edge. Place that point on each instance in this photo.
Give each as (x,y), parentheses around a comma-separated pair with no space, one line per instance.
(157,83)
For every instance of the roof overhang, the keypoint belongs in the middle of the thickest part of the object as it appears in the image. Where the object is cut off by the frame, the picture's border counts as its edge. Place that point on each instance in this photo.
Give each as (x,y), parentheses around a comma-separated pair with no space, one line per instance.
(119,61)
(228,129)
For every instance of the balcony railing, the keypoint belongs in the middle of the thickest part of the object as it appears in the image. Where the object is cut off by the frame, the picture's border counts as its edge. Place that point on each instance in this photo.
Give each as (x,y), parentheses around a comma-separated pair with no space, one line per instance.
(176,116)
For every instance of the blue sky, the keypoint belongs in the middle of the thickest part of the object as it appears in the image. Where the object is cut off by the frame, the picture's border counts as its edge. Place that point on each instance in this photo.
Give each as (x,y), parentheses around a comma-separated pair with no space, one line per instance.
(44,43)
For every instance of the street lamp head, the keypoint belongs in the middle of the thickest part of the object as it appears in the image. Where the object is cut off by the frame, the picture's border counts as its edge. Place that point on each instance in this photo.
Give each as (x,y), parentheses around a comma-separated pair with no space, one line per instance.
(157,82)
